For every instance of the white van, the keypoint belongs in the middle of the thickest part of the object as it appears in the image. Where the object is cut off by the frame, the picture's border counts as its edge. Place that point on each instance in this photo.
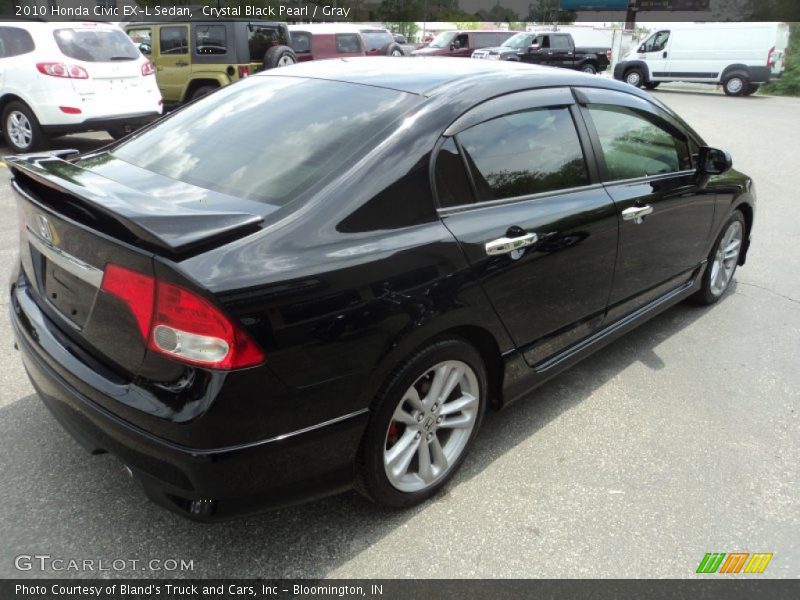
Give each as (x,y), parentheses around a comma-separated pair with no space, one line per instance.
(740,56)
(59,78)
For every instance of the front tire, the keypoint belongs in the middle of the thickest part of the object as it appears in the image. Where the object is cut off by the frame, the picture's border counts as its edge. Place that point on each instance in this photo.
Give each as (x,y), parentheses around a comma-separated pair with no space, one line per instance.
(21,129)
(423,423)
(722,261)
(634,77)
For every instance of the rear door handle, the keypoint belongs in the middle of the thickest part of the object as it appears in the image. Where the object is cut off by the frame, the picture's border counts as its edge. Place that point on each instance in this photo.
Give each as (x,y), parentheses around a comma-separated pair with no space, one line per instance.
(505,245)
(637,213)
(181,63)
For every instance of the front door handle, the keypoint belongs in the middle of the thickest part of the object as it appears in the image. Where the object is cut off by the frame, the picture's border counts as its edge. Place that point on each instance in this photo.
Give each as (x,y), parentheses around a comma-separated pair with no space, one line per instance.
(637,213)
(505,245)
(181,63)
(664,55)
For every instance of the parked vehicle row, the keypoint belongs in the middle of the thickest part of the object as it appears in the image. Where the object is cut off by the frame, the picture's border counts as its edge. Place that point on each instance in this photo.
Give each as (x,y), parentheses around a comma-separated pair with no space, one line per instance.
(60,78)
(247,323)
(194,59)
(549,49)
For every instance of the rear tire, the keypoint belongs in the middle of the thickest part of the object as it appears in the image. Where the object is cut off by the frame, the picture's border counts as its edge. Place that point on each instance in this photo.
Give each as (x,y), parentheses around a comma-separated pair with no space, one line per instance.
(21,129)
(394,50)
(417,438)
(651,85)
(634,77)
(118,133)
(722,261)
(203,90)
(589,68)
(735,85)
(751,89)
(279,56)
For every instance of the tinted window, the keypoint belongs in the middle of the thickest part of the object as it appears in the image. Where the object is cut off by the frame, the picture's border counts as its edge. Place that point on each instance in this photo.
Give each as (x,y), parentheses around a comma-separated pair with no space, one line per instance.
(560,42)
(301,41)
(348,42)
(525,153)
(210,39)
(484,40)
(452,185)
(267,138)
(95,44)
(173,40)
(14,41)
(376,40)
(262,38)
(635,146)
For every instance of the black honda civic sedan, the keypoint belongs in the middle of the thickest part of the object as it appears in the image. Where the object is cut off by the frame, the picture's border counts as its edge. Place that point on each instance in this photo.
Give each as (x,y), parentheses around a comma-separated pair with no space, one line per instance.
(322,277)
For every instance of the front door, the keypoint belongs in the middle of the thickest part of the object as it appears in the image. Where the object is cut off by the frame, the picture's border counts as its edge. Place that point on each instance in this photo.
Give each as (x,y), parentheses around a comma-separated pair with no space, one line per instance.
(654,52)
(173,67)
(540,232)
(665,216)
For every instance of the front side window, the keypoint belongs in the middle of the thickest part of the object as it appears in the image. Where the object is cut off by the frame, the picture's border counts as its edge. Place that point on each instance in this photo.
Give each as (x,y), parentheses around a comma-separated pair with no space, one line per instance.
(525,153)
(15,41)
(210,39)
(443,40)
(635,145)
(174,40)
(656,42)
(95,44)
(376,39)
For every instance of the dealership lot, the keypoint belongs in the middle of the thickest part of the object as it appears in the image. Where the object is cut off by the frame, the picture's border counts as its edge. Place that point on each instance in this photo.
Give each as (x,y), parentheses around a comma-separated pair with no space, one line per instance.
(679,439)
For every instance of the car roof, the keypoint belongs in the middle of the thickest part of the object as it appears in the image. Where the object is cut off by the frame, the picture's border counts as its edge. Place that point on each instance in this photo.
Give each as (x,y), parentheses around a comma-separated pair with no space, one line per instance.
(428,76)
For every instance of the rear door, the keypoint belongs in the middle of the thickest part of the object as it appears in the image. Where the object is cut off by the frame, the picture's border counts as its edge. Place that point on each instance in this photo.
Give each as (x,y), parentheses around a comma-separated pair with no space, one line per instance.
(665,216)
(517,187)
(173,67)
(563,54)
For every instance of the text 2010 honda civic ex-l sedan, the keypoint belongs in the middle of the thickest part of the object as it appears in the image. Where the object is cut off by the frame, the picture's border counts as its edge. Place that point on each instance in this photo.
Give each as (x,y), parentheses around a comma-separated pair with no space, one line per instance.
(322,277)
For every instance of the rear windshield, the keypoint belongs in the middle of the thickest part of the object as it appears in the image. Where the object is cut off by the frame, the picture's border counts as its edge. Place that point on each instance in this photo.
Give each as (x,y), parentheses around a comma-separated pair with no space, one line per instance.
(267,138)
(95,44)
(261,38)
(376,40)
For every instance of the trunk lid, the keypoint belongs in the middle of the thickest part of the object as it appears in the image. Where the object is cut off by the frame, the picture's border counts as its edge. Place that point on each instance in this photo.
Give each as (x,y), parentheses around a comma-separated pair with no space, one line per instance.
(74,222)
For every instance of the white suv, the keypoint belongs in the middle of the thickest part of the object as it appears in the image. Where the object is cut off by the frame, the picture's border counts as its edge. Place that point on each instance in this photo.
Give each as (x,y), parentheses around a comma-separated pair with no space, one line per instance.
(59,78)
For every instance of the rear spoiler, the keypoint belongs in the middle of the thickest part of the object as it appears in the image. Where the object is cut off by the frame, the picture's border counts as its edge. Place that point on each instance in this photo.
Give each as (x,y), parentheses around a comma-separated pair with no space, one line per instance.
(167,226)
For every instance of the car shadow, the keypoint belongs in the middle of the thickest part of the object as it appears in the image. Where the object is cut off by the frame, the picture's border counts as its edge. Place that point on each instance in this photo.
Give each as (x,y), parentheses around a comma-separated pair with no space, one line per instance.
(91,508)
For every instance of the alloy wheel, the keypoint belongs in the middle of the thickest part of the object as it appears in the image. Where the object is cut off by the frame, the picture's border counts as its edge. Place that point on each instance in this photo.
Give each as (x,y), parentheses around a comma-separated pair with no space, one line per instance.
(285,61)
(397,52)
(19,129)
(726,258)
(431,426)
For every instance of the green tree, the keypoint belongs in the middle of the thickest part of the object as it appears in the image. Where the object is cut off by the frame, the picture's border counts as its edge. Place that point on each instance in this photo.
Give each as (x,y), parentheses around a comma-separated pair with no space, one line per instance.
(789,83)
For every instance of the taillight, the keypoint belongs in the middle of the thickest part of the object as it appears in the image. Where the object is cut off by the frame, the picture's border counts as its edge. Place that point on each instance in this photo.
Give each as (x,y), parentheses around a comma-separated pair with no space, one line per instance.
(178,323)
(70,110)
(770,61)
(148,68)
(244,71)
(608,54)
(54,69)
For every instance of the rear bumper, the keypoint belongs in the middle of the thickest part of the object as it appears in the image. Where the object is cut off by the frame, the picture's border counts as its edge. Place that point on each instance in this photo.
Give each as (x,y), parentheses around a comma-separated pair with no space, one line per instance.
(131,122)
(202,484)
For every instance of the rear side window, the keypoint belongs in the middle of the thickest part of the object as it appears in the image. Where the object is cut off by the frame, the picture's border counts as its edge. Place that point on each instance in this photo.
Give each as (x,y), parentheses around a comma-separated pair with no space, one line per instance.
(15,41)
(560,42)
(267,138)
(524,153)
(301,42)
(376,39)
(174,40)
(452,185)
(348,42)
(95,44)
(483,40)
(262,38)
(634,145)
(210,39)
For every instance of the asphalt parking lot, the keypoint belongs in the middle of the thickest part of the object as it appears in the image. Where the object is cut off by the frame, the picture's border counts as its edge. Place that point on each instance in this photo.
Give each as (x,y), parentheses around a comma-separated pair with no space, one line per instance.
(680,439)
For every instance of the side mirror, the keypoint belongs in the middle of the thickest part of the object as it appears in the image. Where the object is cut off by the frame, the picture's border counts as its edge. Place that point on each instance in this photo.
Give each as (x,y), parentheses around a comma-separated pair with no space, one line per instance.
(533,48)
(712,161)
(145,49)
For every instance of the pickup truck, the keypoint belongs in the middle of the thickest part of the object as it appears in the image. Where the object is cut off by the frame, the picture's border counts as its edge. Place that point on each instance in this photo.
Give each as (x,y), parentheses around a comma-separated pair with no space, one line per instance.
(551,49)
